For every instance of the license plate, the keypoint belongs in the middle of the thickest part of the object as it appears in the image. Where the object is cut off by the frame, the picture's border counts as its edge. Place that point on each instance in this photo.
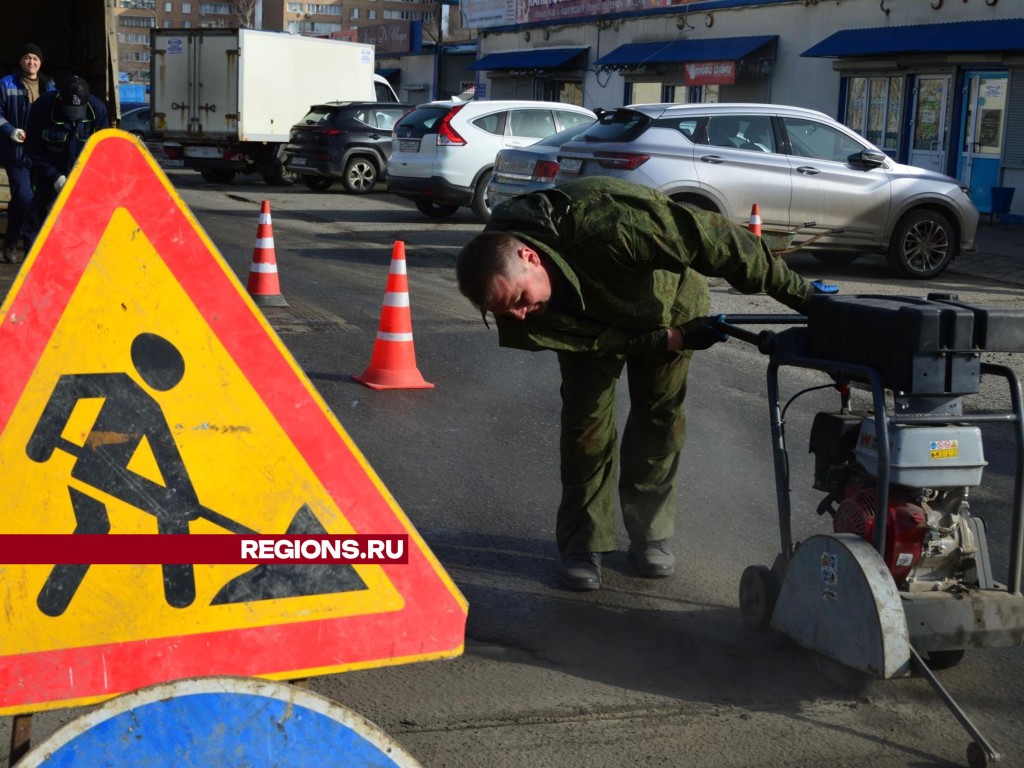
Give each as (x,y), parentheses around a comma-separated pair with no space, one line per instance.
(409,145)
(297,161)
(168,163)
(571,165)
(202,152)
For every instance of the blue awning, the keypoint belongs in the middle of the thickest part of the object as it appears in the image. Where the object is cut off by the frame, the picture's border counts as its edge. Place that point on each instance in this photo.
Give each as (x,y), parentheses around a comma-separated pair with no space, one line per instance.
(682,51)
(539,58)
(955,37)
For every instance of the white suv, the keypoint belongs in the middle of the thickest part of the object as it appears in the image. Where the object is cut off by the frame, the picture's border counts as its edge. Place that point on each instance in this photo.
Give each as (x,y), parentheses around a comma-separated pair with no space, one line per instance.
(806,171)
(442,153)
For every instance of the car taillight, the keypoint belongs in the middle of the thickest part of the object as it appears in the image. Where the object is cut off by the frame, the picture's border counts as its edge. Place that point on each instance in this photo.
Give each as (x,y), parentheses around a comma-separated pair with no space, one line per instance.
(173,151)
(332,132)
(446,135)
(621,161)
(545,170)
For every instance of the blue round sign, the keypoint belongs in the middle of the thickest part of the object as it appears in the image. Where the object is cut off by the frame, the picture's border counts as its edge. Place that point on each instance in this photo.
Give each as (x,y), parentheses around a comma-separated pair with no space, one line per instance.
(220,721)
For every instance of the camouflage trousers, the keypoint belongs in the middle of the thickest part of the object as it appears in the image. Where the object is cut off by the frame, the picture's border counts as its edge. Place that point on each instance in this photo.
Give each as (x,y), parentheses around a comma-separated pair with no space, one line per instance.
(645,466)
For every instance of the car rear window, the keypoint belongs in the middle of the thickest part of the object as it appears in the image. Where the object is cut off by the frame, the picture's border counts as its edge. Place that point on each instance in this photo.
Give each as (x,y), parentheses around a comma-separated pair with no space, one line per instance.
(618,125)
(421,121)
(318,116)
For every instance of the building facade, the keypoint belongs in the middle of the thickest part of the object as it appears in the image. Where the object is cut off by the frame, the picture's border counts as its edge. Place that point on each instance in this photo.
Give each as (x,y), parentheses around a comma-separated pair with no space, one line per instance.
(935,84)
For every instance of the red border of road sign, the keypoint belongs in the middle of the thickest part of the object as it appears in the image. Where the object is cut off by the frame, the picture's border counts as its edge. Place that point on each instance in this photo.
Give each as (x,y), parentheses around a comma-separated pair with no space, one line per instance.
(115,172)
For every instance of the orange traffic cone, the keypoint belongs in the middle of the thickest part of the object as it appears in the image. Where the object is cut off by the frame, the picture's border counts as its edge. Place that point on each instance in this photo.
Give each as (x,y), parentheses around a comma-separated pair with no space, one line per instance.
(393,363)
(264,286)
(754,225)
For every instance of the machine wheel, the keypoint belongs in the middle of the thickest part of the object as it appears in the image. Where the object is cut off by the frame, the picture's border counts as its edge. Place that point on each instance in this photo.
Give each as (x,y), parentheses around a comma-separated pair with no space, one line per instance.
(835,258)
(360,176)
(757,596)
(436,210)
(943,659)
(317,183)
(923,244)
(481,207)
(976,756)
(218,175)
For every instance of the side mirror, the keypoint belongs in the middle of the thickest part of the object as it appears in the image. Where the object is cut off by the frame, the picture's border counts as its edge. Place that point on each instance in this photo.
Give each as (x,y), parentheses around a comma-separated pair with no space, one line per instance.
(868,158)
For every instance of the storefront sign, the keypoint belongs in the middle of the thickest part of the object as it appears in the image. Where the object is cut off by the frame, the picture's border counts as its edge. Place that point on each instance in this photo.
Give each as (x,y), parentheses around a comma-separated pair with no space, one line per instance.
(710,73)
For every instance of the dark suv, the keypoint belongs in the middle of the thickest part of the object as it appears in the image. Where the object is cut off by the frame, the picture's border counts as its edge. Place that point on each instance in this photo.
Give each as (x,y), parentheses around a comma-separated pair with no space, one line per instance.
(347,140)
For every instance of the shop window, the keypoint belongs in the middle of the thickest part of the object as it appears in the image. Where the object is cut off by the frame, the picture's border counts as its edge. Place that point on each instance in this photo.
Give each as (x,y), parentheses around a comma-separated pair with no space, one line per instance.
(562,91)
(874,108)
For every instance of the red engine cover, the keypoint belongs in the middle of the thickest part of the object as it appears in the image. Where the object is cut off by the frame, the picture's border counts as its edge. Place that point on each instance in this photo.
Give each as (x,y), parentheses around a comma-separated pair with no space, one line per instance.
(904,531)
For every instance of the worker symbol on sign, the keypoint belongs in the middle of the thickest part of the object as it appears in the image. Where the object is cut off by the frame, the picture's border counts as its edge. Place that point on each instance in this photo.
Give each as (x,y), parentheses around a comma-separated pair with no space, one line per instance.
(128,416)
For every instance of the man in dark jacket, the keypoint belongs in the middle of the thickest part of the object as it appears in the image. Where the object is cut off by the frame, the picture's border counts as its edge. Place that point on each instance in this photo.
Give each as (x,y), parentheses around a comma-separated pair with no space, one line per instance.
(59,124)
(17,92)
(610,274)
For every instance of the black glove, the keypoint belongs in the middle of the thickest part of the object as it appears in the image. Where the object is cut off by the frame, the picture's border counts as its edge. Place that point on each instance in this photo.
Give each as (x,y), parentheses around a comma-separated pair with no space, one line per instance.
(700,333)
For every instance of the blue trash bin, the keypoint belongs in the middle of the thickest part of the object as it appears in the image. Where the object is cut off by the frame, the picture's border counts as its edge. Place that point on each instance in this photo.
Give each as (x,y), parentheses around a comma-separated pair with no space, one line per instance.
(1002,197)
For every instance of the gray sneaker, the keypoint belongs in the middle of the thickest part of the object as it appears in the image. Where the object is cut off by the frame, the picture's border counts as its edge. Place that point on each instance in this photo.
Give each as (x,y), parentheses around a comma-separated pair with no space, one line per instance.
(652,559)
(10,255)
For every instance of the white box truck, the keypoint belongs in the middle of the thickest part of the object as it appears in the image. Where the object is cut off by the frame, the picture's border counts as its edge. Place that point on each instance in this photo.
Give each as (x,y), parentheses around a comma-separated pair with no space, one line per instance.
(223,100)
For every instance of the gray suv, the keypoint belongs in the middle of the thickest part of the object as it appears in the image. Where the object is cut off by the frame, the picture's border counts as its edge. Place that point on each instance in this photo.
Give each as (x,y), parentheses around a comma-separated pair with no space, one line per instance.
(811,177)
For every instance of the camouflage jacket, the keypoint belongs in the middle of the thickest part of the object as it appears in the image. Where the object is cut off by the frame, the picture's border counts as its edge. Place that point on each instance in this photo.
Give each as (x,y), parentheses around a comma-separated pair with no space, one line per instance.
(630,264)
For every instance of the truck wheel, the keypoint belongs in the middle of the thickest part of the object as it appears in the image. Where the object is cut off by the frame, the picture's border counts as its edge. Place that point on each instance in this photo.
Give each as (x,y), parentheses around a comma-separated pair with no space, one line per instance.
(360,176)
(481,207)
(218,175)
(318,183)
(281,177)
(923,244)
(436,210)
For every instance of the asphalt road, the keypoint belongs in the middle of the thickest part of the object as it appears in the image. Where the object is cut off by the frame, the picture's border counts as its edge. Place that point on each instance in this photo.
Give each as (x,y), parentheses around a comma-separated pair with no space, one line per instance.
(642,672)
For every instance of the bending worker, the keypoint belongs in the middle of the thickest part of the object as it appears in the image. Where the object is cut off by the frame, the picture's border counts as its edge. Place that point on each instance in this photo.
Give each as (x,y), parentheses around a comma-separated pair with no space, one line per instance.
(609,274)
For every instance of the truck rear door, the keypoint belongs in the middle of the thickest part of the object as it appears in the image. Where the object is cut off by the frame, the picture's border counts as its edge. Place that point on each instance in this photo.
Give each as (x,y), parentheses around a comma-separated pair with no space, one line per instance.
(195,83)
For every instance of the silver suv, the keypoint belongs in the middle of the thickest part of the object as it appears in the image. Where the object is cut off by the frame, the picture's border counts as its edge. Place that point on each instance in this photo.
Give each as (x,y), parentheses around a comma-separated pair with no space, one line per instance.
(811,177)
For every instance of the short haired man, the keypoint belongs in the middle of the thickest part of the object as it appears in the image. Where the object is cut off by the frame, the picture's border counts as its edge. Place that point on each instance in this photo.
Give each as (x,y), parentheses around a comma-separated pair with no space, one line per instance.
(610,274)
(18,91)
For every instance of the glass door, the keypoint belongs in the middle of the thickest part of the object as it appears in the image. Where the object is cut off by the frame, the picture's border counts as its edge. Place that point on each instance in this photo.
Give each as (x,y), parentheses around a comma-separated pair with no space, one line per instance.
(930,137)
(984,121)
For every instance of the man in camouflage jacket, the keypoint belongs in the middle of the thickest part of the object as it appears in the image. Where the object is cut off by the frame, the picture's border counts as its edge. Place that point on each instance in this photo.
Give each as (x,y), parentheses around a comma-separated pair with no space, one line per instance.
(610,274)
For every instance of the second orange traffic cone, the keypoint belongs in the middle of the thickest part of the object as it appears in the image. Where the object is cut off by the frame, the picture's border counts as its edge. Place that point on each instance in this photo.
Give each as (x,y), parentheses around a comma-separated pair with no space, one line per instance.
(393,362)
(754,225)
(264,286)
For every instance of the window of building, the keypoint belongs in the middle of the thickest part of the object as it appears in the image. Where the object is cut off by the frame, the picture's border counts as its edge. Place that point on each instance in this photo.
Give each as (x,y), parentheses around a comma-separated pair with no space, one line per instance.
(168,7)
(135,21)
(295,7)
(324,10)
(219,9)
(323,27)
(186,24)
(354,14)
(371,14)
(186,7)
(148,5)
(873,109)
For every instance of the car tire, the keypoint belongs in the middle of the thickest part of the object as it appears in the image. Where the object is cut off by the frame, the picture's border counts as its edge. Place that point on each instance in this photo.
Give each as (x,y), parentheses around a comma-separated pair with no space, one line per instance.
(923,244)
(436,210)
(480,207)
(836,258)
(360,176)
(218,175)
(317,183)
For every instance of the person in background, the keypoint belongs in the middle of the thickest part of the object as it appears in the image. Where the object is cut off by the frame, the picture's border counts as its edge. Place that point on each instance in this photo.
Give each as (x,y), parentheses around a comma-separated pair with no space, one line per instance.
(60,122)
(611,275)
(18,91)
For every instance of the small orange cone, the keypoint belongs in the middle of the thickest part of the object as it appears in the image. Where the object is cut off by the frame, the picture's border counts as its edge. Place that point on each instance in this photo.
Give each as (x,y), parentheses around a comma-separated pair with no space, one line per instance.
(264,286)
(393,363)
(754,225)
